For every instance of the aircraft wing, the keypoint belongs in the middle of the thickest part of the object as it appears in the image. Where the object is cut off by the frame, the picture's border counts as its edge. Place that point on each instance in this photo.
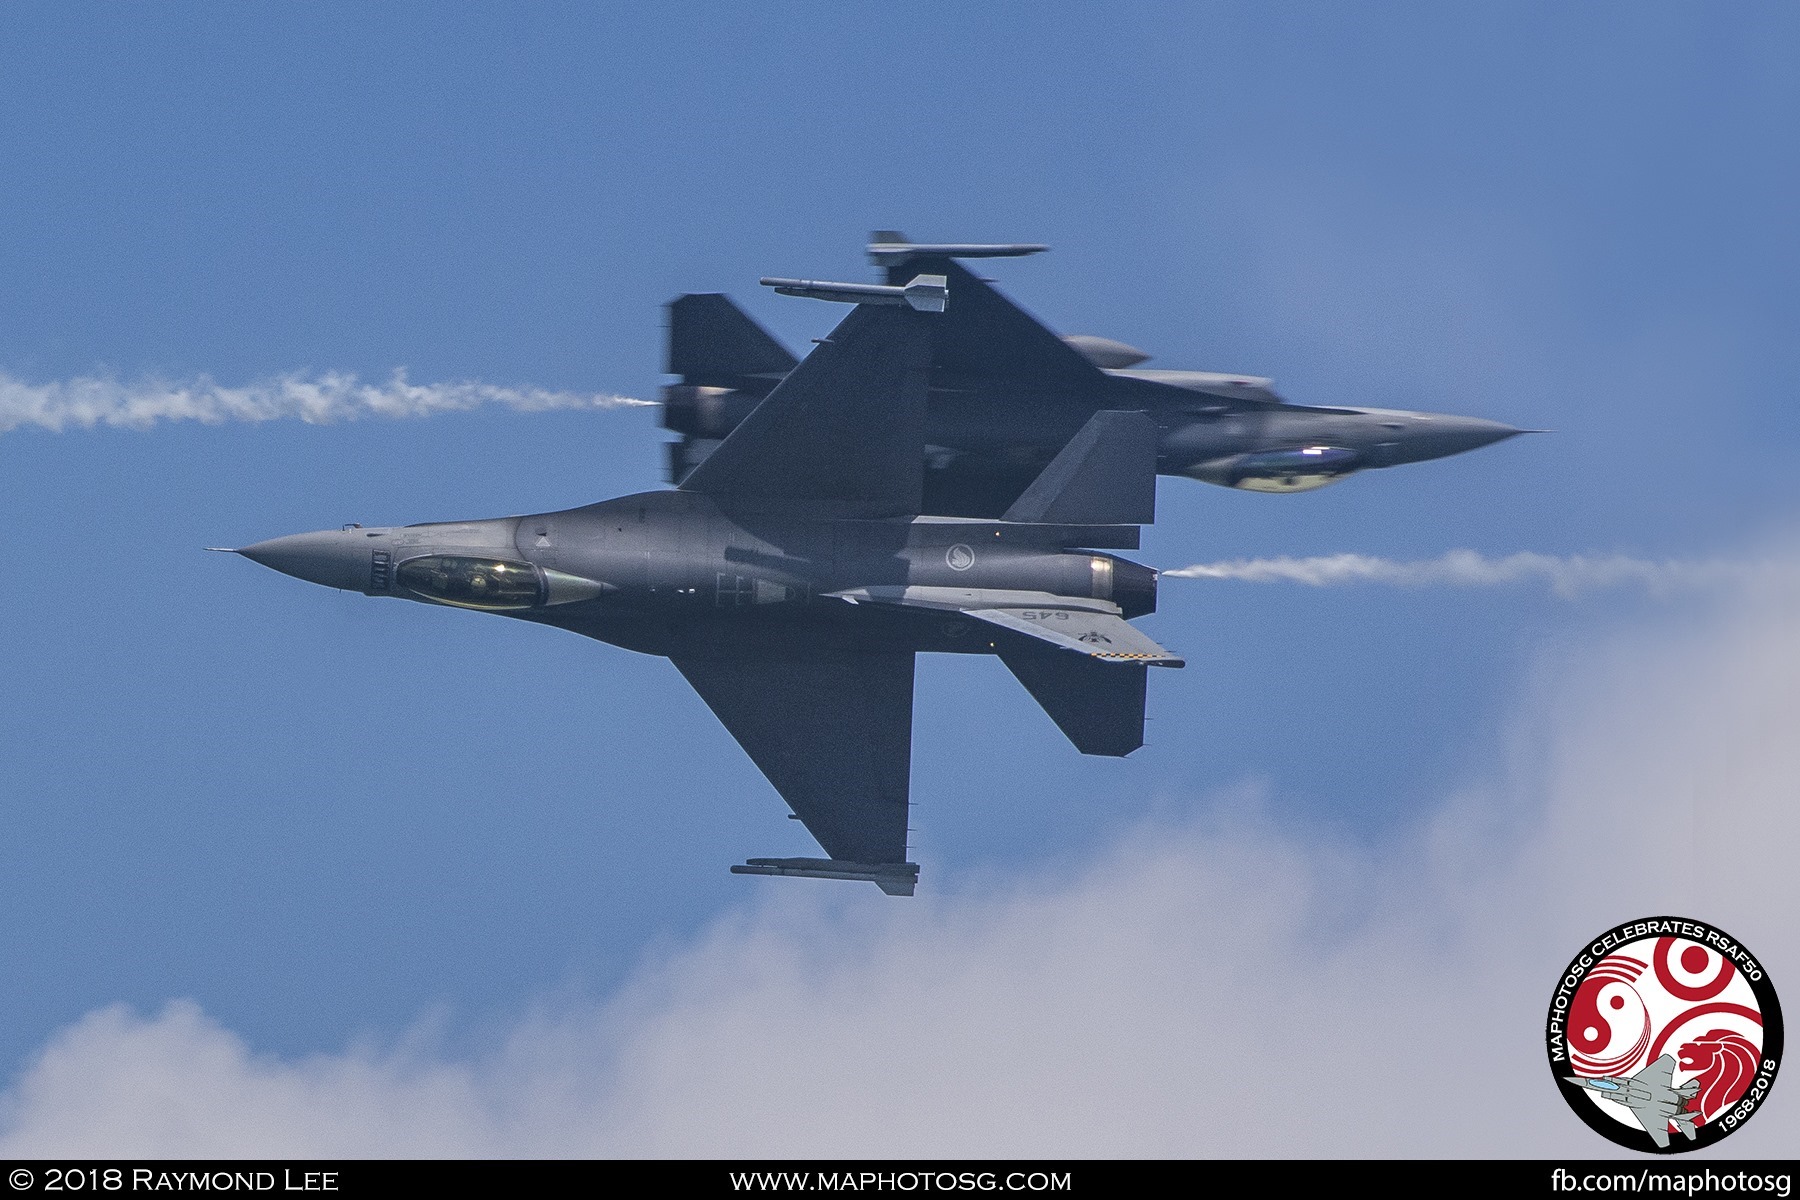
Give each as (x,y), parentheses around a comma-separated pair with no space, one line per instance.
(1659,1074)
(1654,1115)
(832,730)
(983,335)
(844,434)
(1655,1123)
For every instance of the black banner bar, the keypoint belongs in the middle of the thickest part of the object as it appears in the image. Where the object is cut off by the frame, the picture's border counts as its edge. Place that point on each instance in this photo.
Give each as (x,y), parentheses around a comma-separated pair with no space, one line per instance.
(328,1179)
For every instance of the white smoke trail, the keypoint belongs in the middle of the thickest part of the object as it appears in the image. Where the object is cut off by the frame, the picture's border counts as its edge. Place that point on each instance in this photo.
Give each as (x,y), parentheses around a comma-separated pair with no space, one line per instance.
(317,399)
(1567,576)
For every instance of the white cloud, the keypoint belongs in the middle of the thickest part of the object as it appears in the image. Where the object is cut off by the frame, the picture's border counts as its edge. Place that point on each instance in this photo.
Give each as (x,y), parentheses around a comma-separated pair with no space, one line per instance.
(1218,986)
(317,399)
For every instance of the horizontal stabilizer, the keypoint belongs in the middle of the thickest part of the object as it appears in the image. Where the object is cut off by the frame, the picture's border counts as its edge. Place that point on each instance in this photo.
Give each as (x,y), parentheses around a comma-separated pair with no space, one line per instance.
(1106,637)
(1106,475)
(896,879)
(712,342)
(1091,628)
(1100,707)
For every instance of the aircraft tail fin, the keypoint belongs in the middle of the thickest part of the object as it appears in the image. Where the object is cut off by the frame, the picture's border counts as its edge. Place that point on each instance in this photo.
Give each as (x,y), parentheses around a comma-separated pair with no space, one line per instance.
(712,343)
(1106,475)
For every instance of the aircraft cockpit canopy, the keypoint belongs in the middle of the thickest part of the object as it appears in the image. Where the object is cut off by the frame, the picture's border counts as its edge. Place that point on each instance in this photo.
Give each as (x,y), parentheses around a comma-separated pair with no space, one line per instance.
(488,584)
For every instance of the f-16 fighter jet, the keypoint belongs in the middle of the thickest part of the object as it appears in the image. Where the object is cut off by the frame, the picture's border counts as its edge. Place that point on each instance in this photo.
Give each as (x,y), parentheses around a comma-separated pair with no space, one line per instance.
(1651,1096)
(1005,394)
(791,579)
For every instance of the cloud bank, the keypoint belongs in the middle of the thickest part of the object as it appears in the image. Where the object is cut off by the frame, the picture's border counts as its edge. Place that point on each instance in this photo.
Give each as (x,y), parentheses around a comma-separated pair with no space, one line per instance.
(317,399)
(1213,985)
(1567,576)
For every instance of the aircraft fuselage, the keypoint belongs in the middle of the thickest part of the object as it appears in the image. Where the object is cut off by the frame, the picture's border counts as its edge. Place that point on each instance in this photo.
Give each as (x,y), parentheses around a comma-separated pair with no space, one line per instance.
(655,571)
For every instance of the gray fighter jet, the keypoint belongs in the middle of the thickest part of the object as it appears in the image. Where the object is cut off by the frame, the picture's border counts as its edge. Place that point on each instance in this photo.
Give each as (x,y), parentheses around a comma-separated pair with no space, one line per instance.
(1651,1096)
(791,579)
(1006,394)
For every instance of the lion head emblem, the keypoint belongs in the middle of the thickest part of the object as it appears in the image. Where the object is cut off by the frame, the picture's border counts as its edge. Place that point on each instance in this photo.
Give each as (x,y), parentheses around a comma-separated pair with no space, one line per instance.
(1727,1063)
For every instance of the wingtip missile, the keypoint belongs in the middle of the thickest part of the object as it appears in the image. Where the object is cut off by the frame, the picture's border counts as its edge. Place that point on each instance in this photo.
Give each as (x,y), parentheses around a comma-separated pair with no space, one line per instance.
(888,248)
(926,293)
(896,879)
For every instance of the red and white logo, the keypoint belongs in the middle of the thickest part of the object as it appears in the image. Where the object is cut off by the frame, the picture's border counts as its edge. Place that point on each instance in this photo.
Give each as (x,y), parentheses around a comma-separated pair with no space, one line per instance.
(1664,1034)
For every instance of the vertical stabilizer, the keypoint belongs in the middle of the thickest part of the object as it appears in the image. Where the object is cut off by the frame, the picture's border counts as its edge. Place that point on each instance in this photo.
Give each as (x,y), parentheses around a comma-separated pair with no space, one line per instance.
(1106,475)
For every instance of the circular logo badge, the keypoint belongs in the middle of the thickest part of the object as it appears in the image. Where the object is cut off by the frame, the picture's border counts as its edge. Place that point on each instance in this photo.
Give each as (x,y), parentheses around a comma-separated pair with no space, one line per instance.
(960,557)
(1664,1034)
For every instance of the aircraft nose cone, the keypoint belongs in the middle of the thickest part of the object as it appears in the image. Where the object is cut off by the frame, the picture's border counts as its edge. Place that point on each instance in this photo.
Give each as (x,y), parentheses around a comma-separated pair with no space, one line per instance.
(328,558)
(1444,436)
(1479,433)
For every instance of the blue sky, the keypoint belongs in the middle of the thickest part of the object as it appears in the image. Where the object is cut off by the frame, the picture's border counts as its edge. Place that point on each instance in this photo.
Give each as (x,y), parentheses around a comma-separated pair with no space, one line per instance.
(332,823)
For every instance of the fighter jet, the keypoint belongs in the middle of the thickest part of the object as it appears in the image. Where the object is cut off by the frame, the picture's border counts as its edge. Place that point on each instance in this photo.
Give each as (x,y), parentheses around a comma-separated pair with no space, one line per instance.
(1651,1096)
(1006,394)
(791,579)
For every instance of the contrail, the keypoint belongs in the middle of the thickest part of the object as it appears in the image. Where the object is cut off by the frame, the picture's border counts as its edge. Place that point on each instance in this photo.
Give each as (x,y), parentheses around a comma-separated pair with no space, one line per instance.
(317,399)
(1567,576)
